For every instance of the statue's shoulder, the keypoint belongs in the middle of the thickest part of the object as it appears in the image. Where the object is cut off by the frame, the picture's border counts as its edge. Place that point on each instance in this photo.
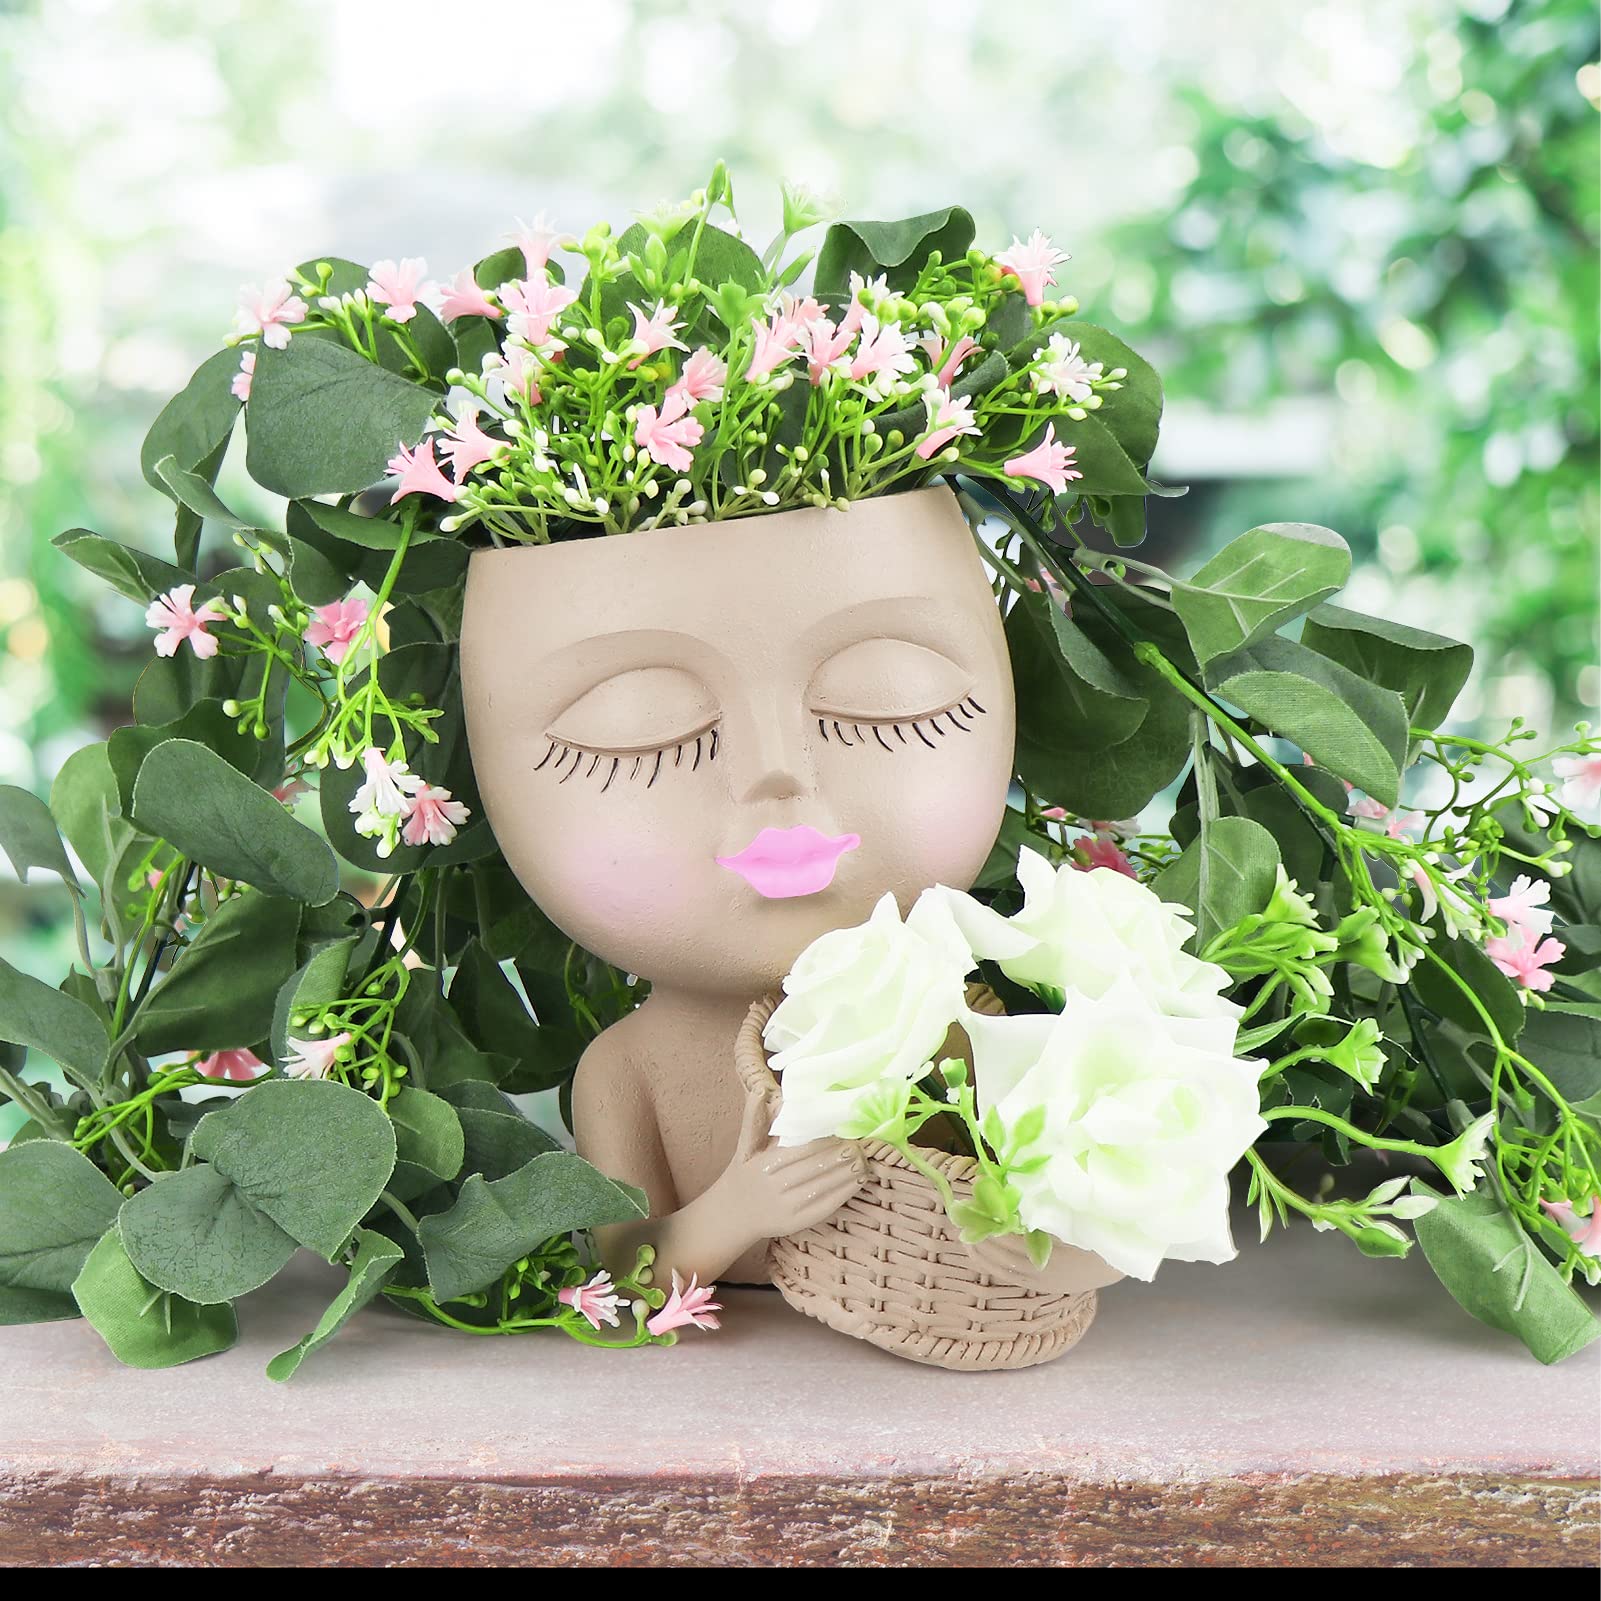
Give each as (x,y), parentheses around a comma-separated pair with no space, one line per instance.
(613,1066)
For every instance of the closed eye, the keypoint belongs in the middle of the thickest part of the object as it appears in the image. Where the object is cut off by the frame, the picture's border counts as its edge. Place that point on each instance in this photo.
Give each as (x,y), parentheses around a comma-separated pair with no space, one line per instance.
(892,734)
(565,760)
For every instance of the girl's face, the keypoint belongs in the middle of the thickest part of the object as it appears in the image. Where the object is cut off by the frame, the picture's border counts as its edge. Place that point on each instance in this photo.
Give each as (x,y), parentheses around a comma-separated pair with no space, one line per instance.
(700,748)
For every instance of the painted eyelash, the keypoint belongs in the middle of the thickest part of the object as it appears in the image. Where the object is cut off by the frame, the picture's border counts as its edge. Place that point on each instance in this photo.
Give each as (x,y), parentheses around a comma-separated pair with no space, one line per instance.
(958,718)
(703,749)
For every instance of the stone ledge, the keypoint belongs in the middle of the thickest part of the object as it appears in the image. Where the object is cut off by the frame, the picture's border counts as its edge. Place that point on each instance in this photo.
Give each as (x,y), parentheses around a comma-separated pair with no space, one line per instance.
(1299,1405)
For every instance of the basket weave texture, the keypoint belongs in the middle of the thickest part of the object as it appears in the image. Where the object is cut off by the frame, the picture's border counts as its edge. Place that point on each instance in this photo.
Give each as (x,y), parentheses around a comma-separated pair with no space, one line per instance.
(890,1267)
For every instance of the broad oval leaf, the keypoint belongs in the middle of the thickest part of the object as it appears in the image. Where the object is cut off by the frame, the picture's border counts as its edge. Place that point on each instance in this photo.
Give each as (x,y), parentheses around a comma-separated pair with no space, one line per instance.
(54,1205)
(1259,582)
(1228,872)
(194,1234)
(29,837)
(323,420)
(143,1327)
(312,1156)
(375,1259)
(896,249)
(189,796)
(196,422)
(1426,670)
(43,1019)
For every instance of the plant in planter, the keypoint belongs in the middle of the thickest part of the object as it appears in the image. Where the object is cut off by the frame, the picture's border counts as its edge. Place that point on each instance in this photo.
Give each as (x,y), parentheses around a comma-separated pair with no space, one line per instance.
(611,788)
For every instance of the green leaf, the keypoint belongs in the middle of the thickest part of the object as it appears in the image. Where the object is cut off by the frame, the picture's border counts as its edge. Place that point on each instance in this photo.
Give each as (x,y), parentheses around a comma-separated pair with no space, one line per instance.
(130,572)
(84,801)
(189,796)
(371,533)
(1493,989)
(205,723)
(1069,693)
(1227,873)
(1480,1253)
(1259,582)
(495,1017)
(428,1133)
(143,1327)
(317,982)
(311,1155)
(1426,670)
(374,1261)
(494,1223)
(195,424)
(43,1019)
(1357,730)
(28,835)
(222,988)
(1564,1042)
(498,1138)
(897,249)
(197,493)
(194,1234)
(35,1306)
(54,1204)
(324,420)
(1066,749)
(444,1054)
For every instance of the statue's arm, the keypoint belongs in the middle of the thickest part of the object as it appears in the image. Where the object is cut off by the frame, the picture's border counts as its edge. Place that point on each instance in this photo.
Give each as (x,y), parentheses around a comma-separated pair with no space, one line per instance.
(764,1191)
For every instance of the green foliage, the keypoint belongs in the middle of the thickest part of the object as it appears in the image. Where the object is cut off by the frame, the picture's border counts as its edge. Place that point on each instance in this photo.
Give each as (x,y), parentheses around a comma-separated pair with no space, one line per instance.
(144,1326)
(374,1260)
(1225,875)
(54,1205)
(1491,1267)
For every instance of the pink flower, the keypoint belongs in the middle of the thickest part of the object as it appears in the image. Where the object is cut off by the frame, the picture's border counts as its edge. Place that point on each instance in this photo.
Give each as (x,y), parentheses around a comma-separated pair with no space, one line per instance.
(467,446)
(240,387)
(238,1066)
(388,783)
(419,474)
(269,312)
(1102,852)
(883,351)
(1366,806)
(536,240)
(534,306)
(947,365)
(703,378)
(174,614)
(692,1305)
(334,626)
(313,1058)
(1519,957)
(1523,906)
(515,372)
(1584,1231)
(462,297)
(1399,825)
(668,436)
(1065,373)
(873,288)
(656,332)
(1054,814)
(946,419)
(432,816)
(776,342)
(597,1301)
(1582,780)
(399,287)
(291,788)
(1048,462)
(825,347)
(800,313)
(1031,264)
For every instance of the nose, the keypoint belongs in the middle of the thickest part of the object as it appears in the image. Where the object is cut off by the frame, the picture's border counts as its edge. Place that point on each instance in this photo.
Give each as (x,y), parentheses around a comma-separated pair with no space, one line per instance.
(774,763)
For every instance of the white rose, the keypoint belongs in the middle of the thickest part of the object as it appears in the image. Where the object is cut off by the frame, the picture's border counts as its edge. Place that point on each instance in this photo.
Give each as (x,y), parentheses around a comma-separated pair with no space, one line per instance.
(1083,931)
(1144,1115)
(864,1007)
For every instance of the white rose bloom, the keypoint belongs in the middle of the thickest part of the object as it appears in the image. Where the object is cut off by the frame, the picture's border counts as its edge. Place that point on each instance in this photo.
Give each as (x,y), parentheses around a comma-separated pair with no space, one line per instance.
(864,1007)
(1144,1116)
(1083,931)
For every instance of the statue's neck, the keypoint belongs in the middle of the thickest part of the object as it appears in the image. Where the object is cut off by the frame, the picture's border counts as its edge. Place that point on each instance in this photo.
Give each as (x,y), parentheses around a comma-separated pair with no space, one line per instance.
(696,1018)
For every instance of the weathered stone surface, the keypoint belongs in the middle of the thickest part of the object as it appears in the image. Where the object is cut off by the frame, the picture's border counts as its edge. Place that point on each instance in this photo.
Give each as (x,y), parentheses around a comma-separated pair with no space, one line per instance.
(1300,1405)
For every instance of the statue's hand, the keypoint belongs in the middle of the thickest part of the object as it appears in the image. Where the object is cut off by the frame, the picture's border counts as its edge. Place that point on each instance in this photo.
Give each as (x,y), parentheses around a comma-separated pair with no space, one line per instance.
(775,1189)
(1070,1271)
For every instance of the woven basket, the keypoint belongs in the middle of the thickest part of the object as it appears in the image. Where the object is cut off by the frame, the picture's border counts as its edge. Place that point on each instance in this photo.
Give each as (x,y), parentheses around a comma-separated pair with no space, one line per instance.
(890,1268)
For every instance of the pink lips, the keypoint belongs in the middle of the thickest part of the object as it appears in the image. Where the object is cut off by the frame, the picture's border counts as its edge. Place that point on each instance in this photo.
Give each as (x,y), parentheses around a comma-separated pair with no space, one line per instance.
(784,862)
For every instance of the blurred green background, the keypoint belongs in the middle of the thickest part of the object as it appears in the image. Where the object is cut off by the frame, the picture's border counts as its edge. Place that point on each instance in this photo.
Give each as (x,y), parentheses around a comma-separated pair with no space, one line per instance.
(1359,238)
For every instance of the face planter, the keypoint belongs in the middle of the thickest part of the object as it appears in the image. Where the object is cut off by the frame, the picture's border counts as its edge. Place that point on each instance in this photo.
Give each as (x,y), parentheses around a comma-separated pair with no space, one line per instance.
(701,748)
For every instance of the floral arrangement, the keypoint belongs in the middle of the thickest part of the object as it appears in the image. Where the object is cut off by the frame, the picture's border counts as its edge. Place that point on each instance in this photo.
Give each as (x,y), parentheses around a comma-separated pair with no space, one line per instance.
(308,984)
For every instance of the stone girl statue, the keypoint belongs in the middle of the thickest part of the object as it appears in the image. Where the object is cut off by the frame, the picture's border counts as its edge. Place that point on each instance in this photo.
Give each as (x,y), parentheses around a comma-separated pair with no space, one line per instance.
(702,747)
